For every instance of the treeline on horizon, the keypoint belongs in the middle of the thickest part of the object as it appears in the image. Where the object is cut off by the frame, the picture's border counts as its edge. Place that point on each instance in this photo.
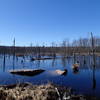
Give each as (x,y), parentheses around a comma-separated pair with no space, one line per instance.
(82,45)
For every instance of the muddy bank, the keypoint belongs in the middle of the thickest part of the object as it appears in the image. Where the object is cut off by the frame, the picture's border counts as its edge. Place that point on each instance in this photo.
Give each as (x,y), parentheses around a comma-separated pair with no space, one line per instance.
(27,91)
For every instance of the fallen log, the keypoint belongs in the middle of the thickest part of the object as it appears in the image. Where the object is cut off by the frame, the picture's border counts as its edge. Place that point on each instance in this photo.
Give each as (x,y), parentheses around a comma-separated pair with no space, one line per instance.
(27,72)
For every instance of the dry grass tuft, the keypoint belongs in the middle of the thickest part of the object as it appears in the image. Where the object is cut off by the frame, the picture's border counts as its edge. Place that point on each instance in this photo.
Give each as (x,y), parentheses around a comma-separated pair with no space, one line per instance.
(37,92)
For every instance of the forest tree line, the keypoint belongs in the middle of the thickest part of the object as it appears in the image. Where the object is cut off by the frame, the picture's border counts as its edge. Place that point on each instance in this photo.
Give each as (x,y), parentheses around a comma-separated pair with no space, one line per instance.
(82,45)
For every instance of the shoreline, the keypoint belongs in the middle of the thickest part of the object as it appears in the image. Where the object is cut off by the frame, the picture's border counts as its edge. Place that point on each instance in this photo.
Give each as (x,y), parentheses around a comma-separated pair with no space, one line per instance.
(49,91)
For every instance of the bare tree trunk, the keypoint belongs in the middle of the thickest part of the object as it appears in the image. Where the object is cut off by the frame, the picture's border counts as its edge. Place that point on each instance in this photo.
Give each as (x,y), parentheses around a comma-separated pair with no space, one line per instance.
(93,49)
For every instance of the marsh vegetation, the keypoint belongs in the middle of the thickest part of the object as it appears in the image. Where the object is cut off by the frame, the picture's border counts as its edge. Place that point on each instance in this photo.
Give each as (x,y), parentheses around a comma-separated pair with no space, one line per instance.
(66,64)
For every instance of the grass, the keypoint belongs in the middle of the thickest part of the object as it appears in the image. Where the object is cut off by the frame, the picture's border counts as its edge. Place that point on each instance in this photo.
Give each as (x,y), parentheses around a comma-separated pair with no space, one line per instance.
(28,91)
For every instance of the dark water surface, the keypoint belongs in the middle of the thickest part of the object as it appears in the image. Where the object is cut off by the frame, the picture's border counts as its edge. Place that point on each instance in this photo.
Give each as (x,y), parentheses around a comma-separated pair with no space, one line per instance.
(86,80)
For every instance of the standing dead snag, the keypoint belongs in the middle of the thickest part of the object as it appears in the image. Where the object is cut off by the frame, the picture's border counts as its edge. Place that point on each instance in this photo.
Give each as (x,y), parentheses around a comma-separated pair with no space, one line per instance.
(94,62)
(13,53)
(93,49)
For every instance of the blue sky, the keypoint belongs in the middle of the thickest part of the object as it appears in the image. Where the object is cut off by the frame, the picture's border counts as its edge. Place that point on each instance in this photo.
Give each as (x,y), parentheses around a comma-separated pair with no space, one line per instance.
(38,21)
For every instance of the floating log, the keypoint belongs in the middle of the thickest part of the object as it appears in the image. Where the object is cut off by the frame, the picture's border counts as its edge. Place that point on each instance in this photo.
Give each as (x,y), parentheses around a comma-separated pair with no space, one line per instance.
(60,72)
(27,72)
(19,55)
(32,59)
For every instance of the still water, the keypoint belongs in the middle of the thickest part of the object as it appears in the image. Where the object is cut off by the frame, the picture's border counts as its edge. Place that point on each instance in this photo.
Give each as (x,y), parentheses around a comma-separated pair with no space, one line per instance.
(86,80)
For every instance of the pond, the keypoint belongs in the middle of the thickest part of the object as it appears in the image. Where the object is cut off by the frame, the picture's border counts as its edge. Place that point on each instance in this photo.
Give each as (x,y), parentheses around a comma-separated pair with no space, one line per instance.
(86,80)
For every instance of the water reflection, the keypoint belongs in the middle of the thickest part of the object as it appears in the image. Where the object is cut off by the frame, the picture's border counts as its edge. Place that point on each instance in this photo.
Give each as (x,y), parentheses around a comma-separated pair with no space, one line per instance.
(76,70)
(13,62)
(64,61)
(4,63)
(94,66)
(94,79)
(38,63)
(72,76)
(53,62)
